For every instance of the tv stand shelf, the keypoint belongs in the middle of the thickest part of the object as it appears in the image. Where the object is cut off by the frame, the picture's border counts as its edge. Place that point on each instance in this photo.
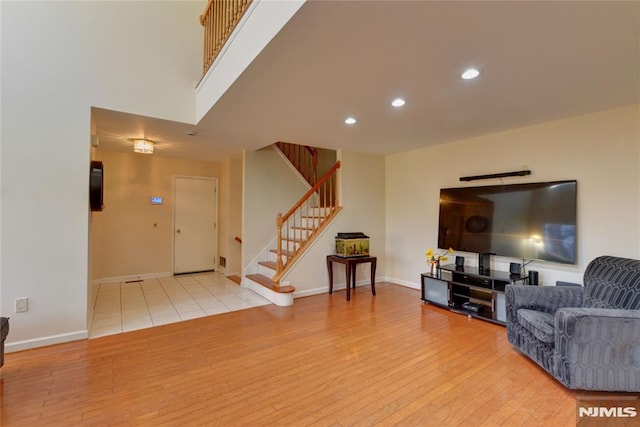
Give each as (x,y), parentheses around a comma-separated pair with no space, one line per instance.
(469,291)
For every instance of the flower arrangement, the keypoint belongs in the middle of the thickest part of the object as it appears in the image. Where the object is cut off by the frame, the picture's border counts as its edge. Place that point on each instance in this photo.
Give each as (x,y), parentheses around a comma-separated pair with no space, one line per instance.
(433,258)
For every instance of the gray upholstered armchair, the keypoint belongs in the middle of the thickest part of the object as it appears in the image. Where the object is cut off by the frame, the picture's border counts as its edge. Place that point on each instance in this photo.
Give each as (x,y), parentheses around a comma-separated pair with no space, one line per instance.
(4,330)
(587,338)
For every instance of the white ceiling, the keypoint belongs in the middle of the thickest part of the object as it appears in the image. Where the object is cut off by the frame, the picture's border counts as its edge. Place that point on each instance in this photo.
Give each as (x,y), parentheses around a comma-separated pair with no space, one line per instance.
(541,61)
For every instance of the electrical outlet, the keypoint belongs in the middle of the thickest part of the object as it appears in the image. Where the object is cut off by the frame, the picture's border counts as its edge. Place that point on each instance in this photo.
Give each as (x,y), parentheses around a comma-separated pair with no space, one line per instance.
(22,305)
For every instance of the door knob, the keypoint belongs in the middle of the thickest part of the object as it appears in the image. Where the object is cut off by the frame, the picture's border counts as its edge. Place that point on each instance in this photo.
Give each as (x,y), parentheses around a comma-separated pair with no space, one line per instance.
(178,230)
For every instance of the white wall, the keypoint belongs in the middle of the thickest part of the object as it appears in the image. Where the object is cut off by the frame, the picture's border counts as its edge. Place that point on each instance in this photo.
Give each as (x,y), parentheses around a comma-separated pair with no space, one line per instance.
(59,59)
(601,151)
(260,23)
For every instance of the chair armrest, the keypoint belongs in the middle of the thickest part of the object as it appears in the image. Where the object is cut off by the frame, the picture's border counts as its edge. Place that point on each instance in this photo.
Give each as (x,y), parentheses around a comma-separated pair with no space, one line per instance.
(547,299)
(605,325)
(598,348)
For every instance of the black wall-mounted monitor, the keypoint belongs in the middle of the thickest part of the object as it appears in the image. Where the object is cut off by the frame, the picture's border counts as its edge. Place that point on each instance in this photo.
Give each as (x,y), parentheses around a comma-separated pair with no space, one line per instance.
(96,183)
(527,221)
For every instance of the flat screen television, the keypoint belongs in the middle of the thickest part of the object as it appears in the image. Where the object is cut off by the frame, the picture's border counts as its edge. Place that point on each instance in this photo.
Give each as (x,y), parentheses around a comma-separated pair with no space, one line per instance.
(526,221)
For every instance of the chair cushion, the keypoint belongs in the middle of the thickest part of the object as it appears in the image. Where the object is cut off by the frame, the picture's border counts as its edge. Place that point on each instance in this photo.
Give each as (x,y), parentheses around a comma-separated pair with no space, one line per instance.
(540,324)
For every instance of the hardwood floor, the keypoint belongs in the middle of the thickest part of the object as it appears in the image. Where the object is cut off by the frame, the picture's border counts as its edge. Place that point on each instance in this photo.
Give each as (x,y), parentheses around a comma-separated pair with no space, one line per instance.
(381,360)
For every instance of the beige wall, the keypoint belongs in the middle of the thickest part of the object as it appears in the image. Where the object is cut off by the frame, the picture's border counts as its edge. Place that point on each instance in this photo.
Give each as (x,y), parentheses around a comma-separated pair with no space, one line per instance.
(234,251)
(326,160)
(132,237)
(601,151)
(230,214)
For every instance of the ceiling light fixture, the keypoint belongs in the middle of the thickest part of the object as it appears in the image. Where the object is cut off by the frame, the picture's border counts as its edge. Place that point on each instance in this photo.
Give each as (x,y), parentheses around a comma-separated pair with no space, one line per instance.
(398,102)
(470,73)
(350,121)
(144,146)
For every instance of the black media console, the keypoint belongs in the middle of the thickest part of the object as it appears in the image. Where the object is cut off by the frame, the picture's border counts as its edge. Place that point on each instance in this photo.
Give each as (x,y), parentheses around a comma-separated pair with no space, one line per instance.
(469,291)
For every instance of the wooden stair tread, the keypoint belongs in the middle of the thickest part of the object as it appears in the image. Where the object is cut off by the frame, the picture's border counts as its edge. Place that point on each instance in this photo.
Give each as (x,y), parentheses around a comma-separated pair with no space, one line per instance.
(284,252)
(268,283)
(268,264)
(235,279)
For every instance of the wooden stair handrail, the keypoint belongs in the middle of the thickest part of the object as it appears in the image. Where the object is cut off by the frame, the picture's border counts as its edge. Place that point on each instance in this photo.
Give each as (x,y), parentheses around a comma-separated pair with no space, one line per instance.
(327,209)
(312,190)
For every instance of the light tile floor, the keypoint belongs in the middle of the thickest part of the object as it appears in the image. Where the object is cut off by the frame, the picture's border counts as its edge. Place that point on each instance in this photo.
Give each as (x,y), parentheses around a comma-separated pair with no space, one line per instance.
(124,307)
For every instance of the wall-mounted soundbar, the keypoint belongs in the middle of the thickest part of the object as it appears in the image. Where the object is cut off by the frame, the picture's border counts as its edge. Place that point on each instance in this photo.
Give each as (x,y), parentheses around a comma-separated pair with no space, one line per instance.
(495,175)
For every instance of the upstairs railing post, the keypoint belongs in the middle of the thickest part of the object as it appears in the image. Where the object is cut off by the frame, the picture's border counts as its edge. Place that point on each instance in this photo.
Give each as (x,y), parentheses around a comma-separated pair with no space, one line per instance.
(219,19)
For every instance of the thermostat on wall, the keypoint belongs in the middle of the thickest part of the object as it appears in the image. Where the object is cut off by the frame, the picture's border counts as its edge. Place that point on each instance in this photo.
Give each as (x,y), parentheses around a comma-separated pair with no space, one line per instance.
(156,200)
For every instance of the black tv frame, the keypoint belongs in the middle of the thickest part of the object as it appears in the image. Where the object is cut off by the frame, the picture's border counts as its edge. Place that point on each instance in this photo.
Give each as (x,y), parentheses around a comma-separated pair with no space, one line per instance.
(476,222)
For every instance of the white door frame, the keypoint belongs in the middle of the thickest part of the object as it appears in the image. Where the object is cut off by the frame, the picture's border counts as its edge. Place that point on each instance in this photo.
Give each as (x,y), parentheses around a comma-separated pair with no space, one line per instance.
(215,228)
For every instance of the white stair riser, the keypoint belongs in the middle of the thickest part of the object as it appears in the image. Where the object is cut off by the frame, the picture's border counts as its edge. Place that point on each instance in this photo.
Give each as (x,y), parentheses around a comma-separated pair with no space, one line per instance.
(276,298)
(290,245)
(274,257)
(298,233)
(265,271)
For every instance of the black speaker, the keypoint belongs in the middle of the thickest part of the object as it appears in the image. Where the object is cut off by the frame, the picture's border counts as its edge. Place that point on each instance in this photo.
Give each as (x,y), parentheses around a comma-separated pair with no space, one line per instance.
(514,268)
(459,261)
(533,278)
(484,262)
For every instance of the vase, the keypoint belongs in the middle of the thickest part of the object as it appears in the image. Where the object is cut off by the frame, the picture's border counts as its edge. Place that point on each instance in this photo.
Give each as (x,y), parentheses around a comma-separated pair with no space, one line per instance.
(434,268)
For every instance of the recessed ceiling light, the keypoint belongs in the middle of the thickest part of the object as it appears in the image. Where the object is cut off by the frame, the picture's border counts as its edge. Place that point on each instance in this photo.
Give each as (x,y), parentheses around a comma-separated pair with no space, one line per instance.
(470,73)
(350,120)
(398,102)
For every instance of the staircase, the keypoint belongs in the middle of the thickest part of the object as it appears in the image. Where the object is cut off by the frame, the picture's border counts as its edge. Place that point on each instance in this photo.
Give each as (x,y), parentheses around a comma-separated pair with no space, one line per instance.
(296,230)
(303,158)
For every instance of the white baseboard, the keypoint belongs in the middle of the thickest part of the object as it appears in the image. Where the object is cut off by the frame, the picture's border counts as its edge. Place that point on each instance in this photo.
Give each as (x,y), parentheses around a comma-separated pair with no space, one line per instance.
(44,341)
(336,287)
(132,277)
(315,291)
(405,283)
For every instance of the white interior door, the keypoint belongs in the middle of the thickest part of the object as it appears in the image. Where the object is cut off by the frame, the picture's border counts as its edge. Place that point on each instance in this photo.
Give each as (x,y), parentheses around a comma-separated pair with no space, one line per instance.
(195,217)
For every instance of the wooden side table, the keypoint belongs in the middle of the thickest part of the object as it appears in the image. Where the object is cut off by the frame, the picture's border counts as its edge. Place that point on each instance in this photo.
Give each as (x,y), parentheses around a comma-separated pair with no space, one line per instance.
(350,267)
